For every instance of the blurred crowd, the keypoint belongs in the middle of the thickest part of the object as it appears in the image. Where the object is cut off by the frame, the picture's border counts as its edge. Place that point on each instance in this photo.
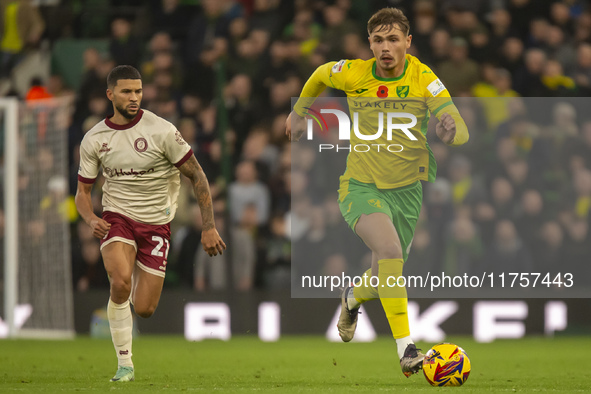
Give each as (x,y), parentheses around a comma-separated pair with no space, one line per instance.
(517,196)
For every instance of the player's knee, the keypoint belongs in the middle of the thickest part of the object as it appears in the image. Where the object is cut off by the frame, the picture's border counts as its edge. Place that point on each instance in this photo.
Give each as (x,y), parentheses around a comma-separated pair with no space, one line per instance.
(145,311)
(389,251)
(121,287)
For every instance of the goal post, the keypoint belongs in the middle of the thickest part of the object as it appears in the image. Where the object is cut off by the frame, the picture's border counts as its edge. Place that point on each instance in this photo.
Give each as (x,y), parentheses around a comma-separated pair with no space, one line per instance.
(37,285)
(9,107)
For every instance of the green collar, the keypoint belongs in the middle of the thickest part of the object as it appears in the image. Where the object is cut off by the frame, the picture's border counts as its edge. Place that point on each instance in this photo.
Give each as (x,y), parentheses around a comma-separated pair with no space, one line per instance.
(373,71)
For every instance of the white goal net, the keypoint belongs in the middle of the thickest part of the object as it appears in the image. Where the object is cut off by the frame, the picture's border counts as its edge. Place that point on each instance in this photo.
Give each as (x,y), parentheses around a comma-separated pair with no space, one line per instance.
(37,284)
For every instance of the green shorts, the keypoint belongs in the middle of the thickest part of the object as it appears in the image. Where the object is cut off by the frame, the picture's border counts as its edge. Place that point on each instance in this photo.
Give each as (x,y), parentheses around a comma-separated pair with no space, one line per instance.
(402,205)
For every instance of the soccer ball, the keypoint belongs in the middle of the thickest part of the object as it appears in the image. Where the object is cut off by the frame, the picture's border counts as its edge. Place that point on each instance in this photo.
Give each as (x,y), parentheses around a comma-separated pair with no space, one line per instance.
(446,364)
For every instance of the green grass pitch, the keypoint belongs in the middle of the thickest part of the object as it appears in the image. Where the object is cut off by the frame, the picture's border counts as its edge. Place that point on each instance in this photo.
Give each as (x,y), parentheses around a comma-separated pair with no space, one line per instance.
(291,365)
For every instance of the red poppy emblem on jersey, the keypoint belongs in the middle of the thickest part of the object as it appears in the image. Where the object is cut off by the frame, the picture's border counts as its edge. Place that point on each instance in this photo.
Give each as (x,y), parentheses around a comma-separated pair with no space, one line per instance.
(382,91)
(140,145)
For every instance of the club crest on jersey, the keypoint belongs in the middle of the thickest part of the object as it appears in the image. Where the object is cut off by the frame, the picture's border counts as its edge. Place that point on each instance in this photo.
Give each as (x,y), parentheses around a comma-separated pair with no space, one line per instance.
(140,145)
(375,203)
(402,91)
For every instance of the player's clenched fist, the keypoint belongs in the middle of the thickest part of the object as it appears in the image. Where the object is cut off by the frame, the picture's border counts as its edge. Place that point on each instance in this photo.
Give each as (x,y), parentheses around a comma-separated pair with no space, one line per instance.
(212,242)
(446,129)
(295,125)
(99,227)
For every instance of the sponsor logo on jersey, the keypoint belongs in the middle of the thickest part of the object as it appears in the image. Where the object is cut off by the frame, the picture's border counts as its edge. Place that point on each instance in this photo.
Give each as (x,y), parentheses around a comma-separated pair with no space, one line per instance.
(140,145)
(338,67)
(104,148)
(113,172)
(436,87)
(359,91)
(402,91)
(427,72)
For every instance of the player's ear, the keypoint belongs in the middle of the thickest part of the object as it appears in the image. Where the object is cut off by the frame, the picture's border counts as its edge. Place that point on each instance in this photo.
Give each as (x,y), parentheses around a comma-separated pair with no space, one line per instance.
(110,94)
(408,41)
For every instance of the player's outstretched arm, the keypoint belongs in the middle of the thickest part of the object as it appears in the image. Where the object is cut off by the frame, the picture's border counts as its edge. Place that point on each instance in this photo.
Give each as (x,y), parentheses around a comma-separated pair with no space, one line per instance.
(328,74)
(83,200)
(295,126)
(210,239)
(452,129)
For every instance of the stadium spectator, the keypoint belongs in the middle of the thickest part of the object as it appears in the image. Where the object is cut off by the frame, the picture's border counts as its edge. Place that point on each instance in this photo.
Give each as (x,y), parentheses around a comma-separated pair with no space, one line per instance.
(464,248)
(424,25)
(276,271)
(459,73)
(247,189)
(501,27)
(549,250)
(88,271)
(21,25)
(440,43)
(337,26)
(206,42)
(560,48)
(502,198)
(511,53)
(37,91)
(171,17)
(530,218)
(232,269)
(582,189)
(527,80)
(124,48)
(507,252)
(582,72)
(558,84)
(576,247)
(439,211)
(181,261)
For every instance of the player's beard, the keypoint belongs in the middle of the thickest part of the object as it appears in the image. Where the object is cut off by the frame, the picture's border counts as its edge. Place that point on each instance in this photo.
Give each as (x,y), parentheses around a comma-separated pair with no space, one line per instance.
(389,67)
(126,114)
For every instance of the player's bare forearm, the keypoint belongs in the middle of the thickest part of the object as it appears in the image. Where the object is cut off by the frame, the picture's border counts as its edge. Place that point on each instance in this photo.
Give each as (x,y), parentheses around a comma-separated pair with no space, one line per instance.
(210,239)
(295,126)
(192,170)
(83,201)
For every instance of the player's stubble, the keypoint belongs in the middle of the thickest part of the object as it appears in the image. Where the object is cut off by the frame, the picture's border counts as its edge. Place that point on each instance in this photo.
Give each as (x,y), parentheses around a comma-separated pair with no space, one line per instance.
(125,112)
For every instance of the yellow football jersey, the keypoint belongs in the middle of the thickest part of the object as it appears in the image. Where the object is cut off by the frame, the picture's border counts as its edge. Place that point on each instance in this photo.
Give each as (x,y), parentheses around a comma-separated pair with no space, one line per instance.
(398,156)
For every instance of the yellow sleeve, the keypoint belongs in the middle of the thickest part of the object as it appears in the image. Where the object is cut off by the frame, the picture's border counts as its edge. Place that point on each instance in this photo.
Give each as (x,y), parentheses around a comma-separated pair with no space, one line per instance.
(439,102)
(330,74)
(462,135)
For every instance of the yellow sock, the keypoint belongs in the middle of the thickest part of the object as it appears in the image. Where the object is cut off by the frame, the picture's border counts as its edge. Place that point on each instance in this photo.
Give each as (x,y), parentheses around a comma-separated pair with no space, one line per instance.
(394,299)
(365,292)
